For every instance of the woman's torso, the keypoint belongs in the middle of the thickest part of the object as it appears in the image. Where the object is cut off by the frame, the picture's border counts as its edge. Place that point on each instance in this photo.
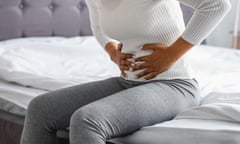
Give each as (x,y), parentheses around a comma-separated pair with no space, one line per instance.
(137,22)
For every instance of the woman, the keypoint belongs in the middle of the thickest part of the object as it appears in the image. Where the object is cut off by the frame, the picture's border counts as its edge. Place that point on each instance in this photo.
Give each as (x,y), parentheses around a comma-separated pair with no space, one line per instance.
(147,40)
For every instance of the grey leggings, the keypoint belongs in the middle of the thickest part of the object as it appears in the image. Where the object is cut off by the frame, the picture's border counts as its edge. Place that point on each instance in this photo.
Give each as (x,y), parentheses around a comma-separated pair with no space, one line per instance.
(101,110)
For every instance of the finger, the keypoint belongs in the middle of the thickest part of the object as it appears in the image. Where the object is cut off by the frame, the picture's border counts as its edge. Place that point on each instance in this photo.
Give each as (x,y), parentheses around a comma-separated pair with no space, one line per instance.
(140,66)
(148,48)
(129,63)
(126,63)
(131,67)
(122,62)
(126,56)
(124,67)
(123,74)
(143,73)
(142,58)
(120,45)
(151,76)
(152,45)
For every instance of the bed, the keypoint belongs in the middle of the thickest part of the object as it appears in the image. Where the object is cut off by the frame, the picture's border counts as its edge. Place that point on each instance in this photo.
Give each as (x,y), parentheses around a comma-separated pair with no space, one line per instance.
(32,33)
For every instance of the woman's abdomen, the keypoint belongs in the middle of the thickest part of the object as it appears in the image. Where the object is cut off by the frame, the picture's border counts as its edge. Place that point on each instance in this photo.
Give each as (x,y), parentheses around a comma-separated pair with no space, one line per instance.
(180,69)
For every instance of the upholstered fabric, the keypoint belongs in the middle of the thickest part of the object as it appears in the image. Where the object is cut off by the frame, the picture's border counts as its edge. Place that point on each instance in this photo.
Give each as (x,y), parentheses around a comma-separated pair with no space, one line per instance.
(187,13)
(26,18)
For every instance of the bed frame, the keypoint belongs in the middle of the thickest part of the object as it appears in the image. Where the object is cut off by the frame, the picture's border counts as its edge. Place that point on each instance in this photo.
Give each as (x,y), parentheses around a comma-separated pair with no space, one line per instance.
(29,18)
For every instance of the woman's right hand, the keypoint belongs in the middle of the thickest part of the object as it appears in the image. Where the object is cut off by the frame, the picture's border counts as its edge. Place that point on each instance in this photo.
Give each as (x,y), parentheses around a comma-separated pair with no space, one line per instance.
(114,50)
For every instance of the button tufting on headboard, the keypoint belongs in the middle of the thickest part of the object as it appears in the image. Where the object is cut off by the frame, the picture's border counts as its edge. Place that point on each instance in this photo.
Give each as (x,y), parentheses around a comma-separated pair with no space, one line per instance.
(21,6)
(82,5)
(26,18)
(51,7)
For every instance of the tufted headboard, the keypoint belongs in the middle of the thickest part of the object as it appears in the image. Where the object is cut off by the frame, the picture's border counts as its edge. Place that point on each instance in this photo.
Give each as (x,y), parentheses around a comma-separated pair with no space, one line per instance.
(27,18)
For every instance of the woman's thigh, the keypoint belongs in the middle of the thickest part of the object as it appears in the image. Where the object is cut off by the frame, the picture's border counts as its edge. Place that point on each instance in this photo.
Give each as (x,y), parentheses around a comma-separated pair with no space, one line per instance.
(126,111)
(56,107)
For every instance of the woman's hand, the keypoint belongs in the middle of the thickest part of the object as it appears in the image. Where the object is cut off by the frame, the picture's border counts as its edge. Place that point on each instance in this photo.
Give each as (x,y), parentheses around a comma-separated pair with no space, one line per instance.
(114,50)
(161,58)
(155,63)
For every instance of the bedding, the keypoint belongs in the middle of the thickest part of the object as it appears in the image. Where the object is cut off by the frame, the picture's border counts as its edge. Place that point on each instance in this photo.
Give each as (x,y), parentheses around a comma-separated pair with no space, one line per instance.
(212,123)
(217,70)
(15,98)
(185,131)
(53,63)
(32,66)
(48,63)
(214,111)
(59,62)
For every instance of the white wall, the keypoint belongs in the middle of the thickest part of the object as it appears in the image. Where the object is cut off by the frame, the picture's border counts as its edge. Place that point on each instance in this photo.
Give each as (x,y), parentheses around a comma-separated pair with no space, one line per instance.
(222,36)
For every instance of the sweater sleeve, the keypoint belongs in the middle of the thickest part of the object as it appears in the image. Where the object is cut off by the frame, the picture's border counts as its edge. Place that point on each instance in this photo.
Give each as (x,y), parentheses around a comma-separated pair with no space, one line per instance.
(102,38)
(207,15)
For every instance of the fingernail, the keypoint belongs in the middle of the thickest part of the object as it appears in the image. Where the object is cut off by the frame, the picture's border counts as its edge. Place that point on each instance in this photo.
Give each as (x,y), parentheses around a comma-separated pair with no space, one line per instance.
(131,60)
(131,69)
(132,64)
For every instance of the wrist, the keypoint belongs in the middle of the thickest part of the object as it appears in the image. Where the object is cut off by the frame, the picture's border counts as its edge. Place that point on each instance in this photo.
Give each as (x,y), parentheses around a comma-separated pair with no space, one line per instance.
(179,48)
(112,49)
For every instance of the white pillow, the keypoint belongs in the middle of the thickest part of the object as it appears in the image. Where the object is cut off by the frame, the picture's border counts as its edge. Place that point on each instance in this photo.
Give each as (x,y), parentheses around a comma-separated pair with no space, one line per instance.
(54,62)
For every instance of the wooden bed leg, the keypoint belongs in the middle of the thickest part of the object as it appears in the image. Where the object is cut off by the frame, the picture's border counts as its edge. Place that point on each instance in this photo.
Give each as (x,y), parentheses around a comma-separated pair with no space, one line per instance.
(10,133)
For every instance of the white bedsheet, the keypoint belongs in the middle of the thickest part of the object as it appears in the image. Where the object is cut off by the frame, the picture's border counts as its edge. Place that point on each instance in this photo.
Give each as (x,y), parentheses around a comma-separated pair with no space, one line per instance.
(17,94)
(54,62)
(185,131)
(213,111)
(217,70)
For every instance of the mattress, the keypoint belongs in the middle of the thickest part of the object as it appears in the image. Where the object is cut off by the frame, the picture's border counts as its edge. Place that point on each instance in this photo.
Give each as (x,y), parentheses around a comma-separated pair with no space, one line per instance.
(15,98)
(185,131)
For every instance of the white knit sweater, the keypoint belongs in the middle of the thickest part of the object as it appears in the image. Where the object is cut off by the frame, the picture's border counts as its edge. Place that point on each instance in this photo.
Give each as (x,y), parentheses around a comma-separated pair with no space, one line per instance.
(137,22)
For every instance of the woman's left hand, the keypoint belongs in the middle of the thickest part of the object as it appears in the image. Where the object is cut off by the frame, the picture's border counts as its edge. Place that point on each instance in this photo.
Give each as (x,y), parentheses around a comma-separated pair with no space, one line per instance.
(158,61)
